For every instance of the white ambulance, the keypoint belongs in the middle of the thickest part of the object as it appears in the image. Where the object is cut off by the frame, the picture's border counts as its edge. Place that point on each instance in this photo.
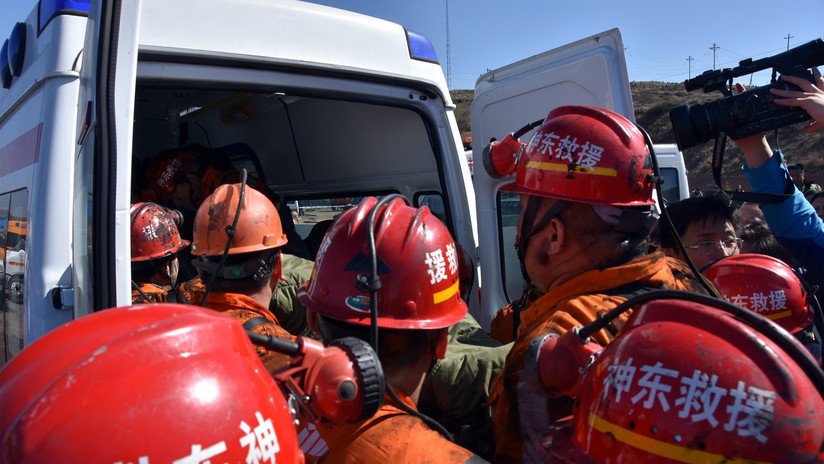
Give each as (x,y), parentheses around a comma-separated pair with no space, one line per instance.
(329,106)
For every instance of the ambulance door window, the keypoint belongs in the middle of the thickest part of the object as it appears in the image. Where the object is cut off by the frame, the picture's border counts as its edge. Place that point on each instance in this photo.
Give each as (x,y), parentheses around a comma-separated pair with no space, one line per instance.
(14,221)
(434,201)
(671,188)
(509,207)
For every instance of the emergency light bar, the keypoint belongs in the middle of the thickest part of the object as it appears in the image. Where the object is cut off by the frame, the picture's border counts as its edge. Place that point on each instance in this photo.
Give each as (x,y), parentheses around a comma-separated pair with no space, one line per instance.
(420,48)
(51,8)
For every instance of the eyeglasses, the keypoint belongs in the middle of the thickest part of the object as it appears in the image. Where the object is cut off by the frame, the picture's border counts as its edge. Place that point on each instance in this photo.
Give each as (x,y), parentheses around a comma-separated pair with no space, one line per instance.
(729,244)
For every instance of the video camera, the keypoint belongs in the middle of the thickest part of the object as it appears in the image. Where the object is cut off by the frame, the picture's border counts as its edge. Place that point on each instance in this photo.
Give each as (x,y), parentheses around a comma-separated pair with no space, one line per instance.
(750,112)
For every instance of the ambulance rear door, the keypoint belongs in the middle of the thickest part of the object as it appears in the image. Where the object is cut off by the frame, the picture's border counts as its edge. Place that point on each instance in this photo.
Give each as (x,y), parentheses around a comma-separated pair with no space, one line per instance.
(590,71)
(102,182)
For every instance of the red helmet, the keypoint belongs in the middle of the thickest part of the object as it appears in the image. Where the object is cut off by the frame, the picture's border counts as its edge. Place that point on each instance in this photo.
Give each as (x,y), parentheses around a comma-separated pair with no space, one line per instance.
(582,154)
(166,170)
(258,227)
(687,382)
(764,285)
(417,266)
(148,383)
(154,232)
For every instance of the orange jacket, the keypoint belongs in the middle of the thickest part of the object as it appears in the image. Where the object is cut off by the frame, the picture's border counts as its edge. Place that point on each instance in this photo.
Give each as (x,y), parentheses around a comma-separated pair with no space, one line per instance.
(502,327)
(390,436)
(243,308)
(521,416)
(155,294)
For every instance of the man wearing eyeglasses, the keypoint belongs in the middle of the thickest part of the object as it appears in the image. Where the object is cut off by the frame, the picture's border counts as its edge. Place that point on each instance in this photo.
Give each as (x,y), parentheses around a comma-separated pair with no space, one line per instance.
(706,228)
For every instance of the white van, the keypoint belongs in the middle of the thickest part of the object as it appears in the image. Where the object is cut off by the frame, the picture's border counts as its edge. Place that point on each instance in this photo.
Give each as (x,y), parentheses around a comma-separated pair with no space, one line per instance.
(329,105)
(590,71)
(673,172)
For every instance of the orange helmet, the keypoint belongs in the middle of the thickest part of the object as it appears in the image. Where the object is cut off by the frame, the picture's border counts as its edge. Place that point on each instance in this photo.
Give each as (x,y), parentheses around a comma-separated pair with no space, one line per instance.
(154,232)
(182,384)
(688,382)
(582,154)
(764,285)
(417,264)
(258,227)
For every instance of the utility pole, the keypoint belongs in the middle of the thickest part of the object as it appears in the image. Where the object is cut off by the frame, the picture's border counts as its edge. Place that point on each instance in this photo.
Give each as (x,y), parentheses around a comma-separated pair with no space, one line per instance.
(788,37)
(714,48)
(448,51)
(689,66)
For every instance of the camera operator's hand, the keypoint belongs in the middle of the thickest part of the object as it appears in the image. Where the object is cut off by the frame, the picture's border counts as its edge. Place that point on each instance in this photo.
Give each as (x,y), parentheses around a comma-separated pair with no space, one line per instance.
(810,98)
(755,147)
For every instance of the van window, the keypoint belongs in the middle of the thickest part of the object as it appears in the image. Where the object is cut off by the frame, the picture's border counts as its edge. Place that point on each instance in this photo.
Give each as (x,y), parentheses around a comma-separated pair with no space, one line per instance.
(509,207)
(671,187)
(13,231)
(435,203)
(320,149)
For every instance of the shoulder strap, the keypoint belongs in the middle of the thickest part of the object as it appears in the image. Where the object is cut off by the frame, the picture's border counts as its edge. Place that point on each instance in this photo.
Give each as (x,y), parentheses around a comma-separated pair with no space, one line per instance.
(631,289)
(255,322)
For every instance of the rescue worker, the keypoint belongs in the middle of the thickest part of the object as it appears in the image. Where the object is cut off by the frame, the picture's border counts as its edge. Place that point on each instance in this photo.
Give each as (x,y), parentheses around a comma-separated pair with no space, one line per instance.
(155,243)
(456,391)
(239,261)
(202,371)
(285,305)
(706,227)
(172,392)
(184,177)
(687,381)
(770,287)
(586,184)
(418,299)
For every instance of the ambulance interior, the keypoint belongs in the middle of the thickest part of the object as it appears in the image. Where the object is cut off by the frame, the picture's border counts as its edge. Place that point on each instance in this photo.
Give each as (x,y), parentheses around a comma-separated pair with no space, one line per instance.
(319,152)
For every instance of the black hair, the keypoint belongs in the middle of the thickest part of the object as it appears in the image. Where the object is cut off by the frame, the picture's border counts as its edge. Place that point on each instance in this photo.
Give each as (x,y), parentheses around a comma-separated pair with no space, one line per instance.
(691,210)
(393,355)
(814,196)
(145,271)
(249,284)
(760,239)
(616,247)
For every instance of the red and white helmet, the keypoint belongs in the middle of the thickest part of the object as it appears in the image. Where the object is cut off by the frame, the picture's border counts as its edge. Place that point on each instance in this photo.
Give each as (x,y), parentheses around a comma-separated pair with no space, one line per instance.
(154,232)
(151,383)
(166,170)
(417,263)
(685,382)
(764,285)
(581,154)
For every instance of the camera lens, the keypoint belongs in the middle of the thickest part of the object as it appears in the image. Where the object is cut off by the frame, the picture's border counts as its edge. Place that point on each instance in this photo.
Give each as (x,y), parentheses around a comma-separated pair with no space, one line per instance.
(691,125)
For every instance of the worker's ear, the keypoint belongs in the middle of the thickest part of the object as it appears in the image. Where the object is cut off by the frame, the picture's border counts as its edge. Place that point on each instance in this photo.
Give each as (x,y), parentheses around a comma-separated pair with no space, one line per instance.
(441,342)
(555,236)
(277,268)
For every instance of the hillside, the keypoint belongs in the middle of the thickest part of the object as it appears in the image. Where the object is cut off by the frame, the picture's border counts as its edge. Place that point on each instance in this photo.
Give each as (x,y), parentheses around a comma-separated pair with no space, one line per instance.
(653,100)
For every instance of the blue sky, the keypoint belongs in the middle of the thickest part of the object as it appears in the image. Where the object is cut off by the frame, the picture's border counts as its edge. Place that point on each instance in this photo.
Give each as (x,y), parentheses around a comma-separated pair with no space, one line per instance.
(658,35)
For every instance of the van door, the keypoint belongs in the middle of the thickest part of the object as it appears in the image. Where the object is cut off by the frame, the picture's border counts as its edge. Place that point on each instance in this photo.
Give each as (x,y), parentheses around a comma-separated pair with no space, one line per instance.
(591,71)
(101,264)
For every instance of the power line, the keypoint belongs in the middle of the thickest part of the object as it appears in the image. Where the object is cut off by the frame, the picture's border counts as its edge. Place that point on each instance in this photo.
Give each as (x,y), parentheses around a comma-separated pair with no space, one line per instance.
(788,37)
(689,66)
(714,48)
